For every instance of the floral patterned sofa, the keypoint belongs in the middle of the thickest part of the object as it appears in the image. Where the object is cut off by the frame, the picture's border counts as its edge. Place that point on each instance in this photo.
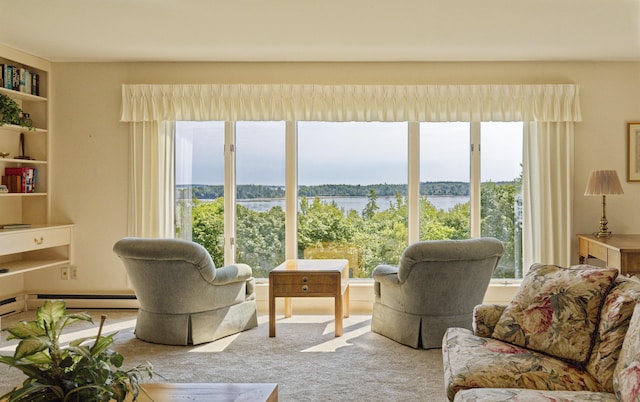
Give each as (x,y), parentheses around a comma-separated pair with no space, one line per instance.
(569,334)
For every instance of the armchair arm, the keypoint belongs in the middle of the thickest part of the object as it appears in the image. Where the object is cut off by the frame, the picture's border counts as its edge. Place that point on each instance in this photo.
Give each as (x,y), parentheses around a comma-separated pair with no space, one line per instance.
(232,273)
(485,318)
(386,274)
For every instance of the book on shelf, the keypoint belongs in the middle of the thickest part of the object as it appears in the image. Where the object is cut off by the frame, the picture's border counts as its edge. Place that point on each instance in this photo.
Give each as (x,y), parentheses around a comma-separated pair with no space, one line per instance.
(20,179)
(15,226)
(19,79)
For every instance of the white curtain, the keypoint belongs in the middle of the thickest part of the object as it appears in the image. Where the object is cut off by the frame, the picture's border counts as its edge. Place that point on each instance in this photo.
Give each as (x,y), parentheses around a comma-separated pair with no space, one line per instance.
(547,193)
(152,185)
(548,111)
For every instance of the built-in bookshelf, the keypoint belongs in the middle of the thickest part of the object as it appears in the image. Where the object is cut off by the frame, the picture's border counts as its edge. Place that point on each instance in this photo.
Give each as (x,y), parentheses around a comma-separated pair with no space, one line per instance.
(28,239)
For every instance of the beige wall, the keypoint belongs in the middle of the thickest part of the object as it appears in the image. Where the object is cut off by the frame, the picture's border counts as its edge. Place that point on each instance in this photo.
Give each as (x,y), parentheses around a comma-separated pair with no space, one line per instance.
(90,146)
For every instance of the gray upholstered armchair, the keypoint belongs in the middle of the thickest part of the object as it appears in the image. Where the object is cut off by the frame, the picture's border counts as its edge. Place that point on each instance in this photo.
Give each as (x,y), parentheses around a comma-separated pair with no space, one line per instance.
(184,299)
(436,286)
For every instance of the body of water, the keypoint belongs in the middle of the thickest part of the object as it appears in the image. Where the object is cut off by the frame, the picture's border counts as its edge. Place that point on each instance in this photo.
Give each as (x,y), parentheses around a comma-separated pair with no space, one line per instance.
(445,202)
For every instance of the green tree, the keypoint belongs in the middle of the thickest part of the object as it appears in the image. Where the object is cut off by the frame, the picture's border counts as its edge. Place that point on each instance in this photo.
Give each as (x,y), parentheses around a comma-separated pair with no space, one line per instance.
(260,239)
(208,228)
(322,222)
(370,209)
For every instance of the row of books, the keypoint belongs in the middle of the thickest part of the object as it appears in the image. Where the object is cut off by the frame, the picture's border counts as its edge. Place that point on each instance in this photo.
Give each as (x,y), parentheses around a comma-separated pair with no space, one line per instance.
(20,179)
(19,79)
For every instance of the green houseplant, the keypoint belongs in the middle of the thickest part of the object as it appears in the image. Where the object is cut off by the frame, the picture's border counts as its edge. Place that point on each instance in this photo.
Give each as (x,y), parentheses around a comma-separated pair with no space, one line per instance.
(84,371)
(11,113)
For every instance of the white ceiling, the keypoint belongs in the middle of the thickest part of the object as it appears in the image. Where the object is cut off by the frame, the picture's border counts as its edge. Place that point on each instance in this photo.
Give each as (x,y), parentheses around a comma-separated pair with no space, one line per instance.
(323,30)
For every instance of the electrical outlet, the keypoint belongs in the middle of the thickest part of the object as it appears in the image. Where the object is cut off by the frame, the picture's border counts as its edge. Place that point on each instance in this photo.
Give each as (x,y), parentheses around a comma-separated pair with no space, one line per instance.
(64,273)
(73,272)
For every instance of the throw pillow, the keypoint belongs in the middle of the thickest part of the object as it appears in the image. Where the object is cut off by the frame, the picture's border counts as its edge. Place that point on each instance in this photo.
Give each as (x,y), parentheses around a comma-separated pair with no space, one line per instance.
(626,380)
(556,310)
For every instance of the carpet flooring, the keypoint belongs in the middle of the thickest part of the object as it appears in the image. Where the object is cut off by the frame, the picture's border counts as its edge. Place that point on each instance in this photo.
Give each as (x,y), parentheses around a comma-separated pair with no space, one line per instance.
(305,359)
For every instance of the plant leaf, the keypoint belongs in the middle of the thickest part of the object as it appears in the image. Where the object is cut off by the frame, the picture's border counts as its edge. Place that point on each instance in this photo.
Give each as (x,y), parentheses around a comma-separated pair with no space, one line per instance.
(48,315)
(24,329)
(102,344)
(78,342)
(71,318)
(39,358)
(28,347)
(29,391)
(34,373)
(81,350)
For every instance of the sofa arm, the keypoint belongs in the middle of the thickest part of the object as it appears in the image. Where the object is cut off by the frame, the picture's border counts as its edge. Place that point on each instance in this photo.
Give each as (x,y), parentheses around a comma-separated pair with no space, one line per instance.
(232,273)
(485,318)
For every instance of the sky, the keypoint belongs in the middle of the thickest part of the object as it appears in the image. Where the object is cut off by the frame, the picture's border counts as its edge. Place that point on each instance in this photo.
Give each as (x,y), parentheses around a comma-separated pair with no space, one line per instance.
(345,153)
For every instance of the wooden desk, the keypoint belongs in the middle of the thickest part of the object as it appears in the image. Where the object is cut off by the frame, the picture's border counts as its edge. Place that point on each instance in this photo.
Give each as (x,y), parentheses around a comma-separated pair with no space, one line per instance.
(618,251)
(309,278)
(206,392)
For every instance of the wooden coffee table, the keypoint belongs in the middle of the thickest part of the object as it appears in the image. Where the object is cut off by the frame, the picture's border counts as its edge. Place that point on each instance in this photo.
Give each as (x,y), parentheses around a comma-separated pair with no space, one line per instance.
(309,278)
(206,392)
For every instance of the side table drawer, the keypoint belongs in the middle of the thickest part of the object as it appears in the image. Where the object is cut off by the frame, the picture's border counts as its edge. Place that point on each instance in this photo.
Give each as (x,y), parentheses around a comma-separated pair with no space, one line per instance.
(29,240)
(307,284)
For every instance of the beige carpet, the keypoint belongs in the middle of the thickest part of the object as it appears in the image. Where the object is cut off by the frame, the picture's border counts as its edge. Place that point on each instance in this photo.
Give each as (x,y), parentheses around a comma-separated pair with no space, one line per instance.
(305,359)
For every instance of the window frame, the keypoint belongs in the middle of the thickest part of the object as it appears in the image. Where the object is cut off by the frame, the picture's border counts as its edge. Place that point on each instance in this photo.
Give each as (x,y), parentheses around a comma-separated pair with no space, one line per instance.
(291,185)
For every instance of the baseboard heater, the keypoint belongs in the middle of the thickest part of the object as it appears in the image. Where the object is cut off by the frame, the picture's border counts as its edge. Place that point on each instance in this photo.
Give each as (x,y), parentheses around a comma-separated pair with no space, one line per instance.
(93,301)
(11,305)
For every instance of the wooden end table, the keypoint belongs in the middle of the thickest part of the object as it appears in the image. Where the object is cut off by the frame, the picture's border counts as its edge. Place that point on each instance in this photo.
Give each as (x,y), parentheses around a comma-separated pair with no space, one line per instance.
(620,251)
(310,278)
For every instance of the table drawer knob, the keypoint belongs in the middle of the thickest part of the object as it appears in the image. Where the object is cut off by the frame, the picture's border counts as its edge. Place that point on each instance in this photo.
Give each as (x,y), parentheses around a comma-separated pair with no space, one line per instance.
(305,279)
(305,288)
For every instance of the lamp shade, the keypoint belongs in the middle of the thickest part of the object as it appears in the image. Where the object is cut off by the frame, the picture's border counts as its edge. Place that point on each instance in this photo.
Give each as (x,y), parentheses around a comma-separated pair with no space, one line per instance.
(603,182)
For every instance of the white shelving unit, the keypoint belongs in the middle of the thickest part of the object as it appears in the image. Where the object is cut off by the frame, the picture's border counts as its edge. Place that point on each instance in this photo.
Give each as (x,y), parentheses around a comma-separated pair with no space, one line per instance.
(44,244)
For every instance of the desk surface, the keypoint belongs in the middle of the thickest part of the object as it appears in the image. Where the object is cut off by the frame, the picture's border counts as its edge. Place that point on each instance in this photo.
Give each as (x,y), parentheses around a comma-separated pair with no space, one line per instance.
(629,243)
(320,265)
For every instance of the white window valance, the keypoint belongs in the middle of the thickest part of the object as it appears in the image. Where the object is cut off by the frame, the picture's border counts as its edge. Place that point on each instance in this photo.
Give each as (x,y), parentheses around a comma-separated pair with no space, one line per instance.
(293,102)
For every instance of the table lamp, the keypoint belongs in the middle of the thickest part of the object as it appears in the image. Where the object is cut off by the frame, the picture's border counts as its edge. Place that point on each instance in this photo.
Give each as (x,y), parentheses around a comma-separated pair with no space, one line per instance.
(603,182)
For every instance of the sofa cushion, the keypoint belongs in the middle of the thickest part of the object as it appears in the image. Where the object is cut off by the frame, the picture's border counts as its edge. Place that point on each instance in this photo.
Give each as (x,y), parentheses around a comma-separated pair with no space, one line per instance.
(531,395)
(556,310)
(612,329)
(472,361)
(626,379)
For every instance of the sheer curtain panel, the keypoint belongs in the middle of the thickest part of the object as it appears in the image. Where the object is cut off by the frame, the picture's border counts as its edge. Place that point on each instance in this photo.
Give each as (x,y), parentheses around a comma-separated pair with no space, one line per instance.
(151,179)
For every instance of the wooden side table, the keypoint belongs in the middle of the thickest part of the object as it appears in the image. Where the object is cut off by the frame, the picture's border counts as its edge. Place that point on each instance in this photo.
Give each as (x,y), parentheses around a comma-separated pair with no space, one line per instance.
(309,278)
(620,251)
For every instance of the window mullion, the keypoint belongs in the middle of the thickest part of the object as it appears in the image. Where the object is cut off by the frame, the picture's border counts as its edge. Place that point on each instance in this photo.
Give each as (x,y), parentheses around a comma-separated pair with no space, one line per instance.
(413,190)
(291,190)
(475,180)
(229,192)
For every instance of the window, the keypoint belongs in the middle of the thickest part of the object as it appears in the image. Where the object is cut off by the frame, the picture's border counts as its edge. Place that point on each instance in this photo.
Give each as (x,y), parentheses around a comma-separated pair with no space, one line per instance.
(260,191)
(501,192)
(352,186)
(199,174)
(445,181)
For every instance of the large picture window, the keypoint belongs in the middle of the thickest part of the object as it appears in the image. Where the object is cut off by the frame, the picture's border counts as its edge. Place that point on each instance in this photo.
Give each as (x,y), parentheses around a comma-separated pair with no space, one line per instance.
(548,113)
(352,190)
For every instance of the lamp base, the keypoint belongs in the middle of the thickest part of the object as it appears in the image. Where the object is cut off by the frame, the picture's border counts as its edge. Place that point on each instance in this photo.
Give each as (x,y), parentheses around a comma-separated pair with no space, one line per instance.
(602,234)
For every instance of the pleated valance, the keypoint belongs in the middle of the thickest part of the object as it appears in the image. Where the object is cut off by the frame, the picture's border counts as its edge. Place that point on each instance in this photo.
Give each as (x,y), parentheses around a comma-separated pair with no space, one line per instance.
(296,102)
